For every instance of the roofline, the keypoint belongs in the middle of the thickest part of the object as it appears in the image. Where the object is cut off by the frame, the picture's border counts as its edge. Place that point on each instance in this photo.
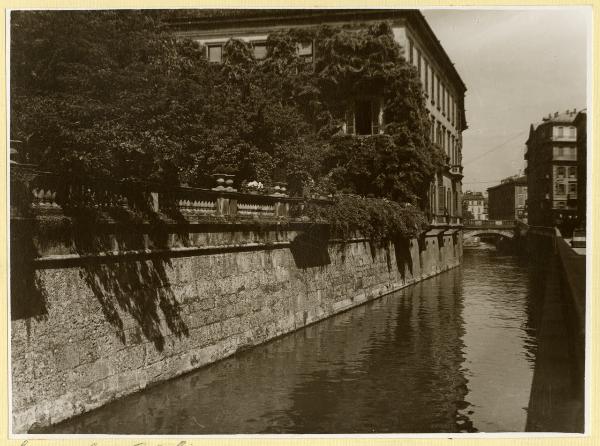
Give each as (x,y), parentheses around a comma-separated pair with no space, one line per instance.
(262,18)
(509,183)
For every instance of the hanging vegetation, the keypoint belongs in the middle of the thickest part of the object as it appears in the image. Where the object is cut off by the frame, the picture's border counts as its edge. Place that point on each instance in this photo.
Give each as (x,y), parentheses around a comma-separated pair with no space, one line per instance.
(113,97)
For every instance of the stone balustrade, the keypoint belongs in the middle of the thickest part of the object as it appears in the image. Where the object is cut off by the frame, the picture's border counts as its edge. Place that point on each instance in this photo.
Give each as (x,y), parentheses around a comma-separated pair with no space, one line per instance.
(37,193)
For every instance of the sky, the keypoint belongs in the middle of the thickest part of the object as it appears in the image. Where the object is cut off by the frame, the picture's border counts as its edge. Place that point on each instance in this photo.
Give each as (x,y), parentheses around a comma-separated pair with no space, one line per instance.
(518,66)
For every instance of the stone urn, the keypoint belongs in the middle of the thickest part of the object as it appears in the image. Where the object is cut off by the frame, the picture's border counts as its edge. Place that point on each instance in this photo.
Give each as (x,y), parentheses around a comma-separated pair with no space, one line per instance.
(224,182)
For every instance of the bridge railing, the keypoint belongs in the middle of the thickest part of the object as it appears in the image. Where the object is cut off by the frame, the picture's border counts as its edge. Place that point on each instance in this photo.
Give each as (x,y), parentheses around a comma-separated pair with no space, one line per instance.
(445,220)
(490,223)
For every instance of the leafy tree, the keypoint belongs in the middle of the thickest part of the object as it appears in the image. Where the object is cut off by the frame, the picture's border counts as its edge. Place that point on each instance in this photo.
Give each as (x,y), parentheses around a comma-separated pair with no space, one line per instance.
(110,93)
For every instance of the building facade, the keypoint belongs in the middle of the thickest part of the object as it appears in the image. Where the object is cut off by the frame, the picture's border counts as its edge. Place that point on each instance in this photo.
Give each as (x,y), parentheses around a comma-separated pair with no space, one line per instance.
(551,171)
(507,200)
(444,89)
(474,203)
(581,126)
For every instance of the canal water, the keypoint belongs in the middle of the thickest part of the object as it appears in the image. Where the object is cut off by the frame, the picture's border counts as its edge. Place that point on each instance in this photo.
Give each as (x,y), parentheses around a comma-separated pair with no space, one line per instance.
(454,353)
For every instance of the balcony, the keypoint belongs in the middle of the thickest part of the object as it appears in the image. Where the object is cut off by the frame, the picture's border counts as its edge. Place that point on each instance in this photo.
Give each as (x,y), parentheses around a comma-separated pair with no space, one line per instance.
(563,138)
(456,169)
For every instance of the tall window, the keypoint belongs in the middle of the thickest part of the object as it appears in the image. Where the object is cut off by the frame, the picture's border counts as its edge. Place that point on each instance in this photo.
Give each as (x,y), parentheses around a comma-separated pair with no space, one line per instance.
(438,93)
(572,172)
(432,86)
(560,172)
(426,78)
(432,129)
(365,117)
(410,51)
(572,188)
(443,99)
(560,132)
(419,62)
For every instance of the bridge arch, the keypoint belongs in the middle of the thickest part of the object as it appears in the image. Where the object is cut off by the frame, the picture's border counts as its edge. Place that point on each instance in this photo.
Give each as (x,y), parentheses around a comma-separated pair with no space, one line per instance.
(469,233)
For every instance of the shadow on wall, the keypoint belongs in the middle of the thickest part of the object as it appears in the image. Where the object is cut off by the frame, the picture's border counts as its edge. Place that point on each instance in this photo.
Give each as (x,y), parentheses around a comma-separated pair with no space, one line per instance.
(404,259)
(139,288)
(310,249)
(28,299)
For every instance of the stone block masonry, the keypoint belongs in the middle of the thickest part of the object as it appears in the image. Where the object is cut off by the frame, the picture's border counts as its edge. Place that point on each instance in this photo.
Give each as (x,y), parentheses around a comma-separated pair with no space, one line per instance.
(91,325)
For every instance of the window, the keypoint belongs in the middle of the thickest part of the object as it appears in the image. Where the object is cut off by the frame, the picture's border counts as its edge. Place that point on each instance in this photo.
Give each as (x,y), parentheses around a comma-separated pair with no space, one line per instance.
(419,63)
(572,132)
(366,118)
(560,132)
(260,50)
(410,51)
(432,86)
(560,151)
(449,146)
(560,172)
(453,112)
(560,204)
(572,188)
(426,78)
(572,172)
(305,50)
(560,188)
(432,129)
(438,93)
(443,99)
(215,53)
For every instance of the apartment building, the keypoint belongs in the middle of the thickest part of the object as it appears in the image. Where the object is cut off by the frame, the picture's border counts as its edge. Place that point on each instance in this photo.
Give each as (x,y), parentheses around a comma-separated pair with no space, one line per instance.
(507,200)
(551,170)
(474,203)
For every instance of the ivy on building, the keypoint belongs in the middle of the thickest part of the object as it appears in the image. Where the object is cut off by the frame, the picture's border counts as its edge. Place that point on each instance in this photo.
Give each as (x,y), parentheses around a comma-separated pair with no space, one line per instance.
(113,94)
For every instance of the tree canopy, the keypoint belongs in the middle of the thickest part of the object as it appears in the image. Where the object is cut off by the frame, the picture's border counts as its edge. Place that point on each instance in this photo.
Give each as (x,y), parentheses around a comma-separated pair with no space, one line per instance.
(114,94)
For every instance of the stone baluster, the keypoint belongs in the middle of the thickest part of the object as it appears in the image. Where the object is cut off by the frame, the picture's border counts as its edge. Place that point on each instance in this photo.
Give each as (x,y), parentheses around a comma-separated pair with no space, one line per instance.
(44,200)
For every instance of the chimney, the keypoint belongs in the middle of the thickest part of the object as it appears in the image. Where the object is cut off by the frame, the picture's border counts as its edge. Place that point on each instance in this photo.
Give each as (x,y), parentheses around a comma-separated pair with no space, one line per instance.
(574,111)
(556,114)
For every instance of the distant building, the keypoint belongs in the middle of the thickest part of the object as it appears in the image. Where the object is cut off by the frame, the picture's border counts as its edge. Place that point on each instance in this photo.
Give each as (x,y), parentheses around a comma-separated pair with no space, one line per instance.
(507,200)
(474,203)
(442,86)
(551,171)
(581,125)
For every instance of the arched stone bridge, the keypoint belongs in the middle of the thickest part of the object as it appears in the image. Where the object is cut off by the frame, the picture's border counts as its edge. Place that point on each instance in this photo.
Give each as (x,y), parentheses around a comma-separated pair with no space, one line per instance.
(502,228)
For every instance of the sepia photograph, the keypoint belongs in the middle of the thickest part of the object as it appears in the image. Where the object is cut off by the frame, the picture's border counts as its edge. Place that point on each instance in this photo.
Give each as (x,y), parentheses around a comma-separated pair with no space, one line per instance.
(290,222)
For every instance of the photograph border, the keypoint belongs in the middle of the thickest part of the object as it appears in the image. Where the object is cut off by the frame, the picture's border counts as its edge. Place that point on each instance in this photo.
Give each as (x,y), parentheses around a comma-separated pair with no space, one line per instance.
(591,435)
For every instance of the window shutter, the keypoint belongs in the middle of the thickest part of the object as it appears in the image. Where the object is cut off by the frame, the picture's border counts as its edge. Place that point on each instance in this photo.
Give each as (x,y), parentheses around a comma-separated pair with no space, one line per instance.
(441,199)
(375,111)
(350,122)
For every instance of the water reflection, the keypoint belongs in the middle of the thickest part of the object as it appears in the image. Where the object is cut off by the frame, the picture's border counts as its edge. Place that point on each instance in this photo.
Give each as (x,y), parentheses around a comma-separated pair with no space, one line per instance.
(453,353)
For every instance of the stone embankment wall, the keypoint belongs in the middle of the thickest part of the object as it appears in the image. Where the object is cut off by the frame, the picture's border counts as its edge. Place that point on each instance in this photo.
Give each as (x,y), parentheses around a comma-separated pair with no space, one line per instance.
(557,400)
(104,311)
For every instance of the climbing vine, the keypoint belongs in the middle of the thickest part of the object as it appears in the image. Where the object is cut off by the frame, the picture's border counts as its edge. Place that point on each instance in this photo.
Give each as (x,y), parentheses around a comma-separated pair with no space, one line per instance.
(118,97)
